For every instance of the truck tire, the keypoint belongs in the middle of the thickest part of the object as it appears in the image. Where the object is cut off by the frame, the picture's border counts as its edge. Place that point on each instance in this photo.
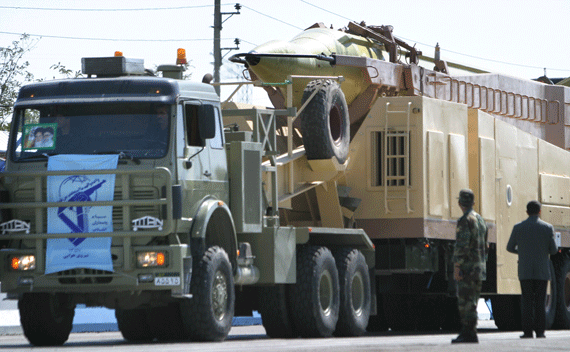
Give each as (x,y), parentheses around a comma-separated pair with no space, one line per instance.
(551,298)
(507,312)
(355,293)
(46,319)
(275,312)
(166,322)
(562,276)
(325,122)
(315,297)
(208,315)
(133,324)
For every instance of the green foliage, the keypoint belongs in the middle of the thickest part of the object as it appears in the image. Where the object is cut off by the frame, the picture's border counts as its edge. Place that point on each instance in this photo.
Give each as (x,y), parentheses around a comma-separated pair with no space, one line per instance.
(13,74)
(66,72)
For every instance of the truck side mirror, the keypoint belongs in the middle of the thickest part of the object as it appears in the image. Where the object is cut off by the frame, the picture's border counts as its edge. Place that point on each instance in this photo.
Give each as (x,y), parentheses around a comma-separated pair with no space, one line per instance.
(207,121)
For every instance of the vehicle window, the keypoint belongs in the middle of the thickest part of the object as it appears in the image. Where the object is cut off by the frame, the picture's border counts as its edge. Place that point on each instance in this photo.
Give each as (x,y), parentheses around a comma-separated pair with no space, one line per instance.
(138,129)
(217,141)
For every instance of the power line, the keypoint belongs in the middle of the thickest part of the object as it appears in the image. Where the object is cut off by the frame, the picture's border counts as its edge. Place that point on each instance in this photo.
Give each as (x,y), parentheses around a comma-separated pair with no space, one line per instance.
(273,18)
(450,51)
(325,10)
(115,39)
(106,10)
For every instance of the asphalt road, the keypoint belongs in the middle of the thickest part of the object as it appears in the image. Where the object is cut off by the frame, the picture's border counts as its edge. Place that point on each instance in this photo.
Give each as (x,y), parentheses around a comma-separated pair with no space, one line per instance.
(253,339)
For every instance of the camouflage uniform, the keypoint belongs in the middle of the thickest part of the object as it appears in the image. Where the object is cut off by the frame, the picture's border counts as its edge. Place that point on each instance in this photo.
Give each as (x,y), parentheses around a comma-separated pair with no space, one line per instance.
(470,255)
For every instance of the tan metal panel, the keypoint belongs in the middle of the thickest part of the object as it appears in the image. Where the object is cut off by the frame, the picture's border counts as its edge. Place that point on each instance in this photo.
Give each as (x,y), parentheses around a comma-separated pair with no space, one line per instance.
(552,160)
(435,172)
(507,215)
(487,178)
(458,171)
(554,189)
(556,215)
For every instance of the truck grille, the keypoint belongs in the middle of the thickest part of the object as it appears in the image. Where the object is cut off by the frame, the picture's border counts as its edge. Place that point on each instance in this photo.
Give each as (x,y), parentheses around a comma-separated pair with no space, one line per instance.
(84,276)
(137,211)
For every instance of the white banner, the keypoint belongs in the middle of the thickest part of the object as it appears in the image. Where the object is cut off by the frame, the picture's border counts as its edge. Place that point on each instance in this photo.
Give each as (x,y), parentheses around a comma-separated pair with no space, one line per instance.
(69,253)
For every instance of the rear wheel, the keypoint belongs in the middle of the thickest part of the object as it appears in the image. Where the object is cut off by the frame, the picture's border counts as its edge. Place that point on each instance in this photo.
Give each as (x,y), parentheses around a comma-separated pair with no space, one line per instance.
(551,299)
(275,313)
(355,295)
(507,312)
(562,275)
(208,315)
(315,297)
(46,319)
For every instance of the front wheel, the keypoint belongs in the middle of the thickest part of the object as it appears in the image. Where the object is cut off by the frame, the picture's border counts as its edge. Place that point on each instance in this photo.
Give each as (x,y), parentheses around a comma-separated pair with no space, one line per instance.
(133,324)
(208,315)
(46,319)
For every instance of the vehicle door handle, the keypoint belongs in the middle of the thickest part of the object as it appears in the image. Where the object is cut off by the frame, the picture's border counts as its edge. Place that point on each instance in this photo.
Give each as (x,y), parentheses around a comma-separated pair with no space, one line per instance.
(207,173)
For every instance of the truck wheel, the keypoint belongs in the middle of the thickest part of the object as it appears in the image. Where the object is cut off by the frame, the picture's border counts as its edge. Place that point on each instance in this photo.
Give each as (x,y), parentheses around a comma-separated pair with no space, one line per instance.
(507,312)
(275,312)
(355,295)
(551,298)
(133,324)
(316,295)
(563,292)
(46,319)
(208,315)
(325,122)
(166,322)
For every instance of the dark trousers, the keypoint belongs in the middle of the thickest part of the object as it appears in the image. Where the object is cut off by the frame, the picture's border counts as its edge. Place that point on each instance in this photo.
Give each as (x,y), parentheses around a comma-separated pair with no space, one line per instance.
(533,312)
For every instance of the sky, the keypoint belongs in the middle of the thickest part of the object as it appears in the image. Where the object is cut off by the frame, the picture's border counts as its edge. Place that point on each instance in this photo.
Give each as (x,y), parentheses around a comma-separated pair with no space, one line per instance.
(519,38)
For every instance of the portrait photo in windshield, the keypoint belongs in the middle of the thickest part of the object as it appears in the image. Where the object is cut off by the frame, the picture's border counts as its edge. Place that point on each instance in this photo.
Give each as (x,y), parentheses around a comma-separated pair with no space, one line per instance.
(40,136)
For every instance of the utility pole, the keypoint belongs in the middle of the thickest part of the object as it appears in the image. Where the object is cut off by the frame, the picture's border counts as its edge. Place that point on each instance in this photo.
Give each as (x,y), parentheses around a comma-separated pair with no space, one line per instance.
(217,29)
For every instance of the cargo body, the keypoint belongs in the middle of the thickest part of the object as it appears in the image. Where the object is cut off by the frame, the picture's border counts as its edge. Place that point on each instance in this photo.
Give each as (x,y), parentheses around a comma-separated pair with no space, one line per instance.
(417,137)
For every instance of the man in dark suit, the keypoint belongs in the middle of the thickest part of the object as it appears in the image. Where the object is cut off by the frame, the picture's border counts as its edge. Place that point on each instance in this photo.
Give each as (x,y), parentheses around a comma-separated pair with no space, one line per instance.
(533,241)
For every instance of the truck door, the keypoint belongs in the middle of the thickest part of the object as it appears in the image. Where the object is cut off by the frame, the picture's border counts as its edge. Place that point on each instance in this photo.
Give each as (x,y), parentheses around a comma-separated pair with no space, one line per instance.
(218,161)
(193,157)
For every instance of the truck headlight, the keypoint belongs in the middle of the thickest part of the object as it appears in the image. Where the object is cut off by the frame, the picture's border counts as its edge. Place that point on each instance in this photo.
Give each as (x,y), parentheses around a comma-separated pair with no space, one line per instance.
(146,259)
(23,263)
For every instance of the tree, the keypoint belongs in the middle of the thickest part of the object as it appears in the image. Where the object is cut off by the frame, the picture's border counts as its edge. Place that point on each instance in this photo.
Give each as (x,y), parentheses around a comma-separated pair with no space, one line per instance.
(13,74)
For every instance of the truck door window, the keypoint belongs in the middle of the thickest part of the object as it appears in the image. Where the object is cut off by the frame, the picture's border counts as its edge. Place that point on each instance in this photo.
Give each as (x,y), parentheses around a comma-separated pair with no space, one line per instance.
(192,126)
(217,142)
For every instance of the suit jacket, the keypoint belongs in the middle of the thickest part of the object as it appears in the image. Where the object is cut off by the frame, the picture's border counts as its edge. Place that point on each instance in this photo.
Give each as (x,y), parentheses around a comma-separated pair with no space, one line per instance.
(533,240)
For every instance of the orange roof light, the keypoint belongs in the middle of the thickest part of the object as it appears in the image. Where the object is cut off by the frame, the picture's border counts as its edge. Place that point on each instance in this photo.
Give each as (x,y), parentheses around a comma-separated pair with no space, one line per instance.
(118,53)
(181,57)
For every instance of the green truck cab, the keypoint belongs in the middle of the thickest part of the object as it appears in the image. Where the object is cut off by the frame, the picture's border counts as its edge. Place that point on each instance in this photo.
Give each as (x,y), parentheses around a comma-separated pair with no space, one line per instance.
(193,237)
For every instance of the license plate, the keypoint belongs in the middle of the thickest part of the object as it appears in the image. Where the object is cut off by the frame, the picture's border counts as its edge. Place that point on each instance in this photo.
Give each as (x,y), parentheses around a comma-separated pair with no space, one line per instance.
(167,281)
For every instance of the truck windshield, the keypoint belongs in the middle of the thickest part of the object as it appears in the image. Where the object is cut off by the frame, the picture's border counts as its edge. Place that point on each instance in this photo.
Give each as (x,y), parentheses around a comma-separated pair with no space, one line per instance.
(139,130)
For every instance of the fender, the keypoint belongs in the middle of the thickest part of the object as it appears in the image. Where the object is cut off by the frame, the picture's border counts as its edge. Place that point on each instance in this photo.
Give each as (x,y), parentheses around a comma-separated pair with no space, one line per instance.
(214,224)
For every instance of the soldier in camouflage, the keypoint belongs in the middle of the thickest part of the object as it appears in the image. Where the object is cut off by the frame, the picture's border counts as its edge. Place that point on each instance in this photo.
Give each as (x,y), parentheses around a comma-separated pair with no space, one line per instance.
(469,258)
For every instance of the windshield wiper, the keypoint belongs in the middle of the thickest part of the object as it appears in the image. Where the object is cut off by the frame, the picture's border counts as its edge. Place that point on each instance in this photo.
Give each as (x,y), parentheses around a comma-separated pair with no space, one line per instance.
(122,155)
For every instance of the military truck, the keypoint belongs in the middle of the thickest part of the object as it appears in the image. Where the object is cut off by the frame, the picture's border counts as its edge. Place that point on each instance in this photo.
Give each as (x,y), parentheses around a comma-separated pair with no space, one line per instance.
(125,190)
(418,134)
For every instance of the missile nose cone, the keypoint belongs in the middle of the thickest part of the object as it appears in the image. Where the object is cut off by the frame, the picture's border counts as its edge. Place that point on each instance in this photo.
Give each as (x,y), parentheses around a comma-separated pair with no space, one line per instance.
(252,59)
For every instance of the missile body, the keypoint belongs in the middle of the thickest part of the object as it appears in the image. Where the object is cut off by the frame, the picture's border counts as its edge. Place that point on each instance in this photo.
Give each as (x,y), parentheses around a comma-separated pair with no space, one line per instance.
(314,41)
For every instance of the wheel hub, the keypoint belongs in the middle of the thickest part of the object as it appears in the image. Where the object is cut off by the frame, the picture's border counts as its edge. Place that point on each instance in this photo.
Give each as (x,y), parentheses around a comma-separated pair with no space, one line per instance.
(219,295)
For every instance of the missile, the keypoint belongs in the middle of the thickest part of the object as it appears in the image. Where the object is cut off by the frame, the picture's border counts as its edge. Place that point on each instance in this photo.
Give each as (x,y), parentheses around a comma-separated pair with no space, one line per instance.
(312,53)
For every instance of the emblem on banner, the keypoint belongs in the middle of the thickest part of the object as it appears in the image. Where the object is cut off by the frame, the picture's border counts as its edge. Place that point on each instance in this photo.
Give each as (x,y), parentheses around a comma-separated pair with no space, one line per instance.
(77,189)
